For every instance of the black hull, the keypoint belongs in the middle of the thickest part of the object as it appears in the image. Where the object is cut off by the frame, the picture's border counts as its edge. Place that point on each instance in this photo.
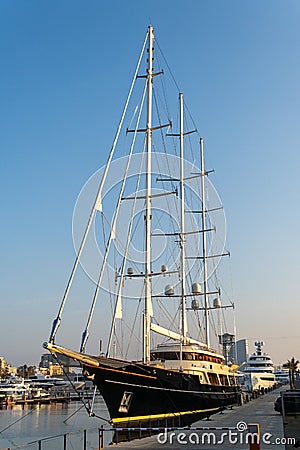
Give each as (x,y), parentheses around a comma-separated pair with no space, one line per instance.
(137,394)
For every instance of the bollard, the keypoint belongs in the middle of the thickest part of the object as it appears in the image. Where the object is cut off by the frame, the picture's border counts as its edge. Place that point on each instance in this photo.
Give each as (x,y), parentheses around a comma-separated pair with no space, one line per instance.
(101,438)
(84,440)
(65,442)
(254,436)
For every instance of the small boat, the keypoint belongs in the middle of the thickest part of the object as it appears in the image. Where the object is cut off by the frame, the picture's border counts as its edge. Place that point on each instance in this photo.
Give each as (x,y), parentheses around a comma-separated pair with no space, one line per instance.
(259,376)
(282,376)
(176,377)
(14,389)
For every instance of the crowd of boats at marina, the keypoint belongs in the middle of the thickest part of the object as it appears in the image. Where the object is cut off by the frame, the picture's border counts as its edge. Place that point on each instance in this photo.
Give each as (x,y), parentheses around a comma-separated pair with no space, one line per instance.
(16,389)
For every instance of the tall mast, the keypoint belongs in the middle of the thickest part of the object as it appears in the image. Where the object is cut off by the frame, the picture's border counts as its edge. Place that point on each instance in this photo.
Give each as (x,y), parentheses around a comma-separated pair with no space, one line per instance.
(147,311)
(204,255)
(182,226)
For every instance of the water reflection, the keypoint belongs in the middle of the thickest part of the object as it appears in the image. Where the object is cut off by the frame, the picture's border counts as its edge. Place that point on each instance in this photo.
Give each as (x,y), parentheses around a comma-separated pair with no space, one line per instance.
(22,424)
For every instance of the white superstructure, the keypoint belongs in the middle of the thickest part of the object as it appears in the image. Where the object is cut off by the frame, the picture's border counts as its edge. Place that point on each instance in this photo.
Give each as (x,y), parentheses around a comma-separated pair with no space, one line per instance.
(259,371)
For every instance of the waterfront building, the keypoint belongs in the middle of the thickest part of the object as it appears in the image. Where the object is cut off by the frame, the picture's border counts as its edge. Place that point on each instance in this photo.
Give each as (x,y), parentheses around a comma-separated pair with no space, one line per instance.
(2,367)
(53,368)
(6,369)
(239,352)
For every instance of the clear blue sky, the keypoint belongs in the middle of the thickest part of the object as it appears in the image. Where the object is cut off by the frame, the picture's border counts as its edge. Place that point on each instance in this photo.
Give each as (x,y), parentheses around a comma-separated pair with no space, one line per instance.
(65,71)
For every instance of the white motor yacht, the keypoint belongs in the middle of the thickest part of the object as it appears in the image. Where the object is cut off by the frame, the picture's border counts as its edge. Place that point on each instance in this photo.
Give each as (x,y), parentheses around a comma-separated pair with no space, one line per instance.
(259,374)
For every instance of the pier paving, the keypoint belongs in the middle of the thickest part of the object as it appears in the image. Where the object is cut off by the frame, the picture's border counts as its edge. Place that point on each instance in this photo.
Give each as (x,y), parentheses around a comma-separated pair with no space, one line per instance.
(260,410)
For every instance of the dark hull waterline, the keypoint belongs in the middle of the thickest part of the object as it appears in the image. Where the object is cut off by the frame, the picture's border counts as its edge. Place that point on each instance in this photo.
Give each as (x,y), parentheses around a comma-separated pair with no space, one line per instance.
(137,393)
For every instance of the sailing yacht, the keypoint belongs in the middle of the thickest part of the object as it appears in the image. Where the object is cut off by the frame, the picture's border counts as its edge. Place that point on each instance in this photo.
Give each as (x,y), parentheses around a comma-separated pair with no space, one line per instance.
(179,378)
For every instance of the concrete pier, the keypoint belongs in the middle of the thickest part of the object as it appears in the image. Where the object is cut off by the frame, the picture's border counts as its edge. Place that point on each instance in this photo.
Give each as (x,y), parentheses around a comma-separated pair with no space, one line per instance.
(260,410)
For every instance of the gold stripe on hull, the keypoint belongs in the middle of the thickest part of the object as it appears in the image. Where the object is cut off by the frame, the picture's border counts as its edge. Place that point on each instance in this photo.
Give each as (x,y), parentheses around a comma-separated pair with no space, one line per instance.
(161,416)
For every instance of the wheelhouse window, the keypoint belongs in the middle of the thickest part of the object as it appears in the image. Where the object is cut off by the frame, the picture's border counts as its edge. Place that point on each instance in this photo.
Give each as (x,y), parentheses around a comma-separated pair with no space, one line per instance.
(163,356)
(186,356)
(224,380)
(213,378)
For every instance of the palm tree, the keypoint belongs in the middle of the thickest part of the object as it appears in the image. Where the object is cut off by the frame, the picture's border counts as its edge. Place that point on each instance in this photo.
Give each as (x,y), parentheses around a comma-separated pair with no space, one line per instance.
(292,366)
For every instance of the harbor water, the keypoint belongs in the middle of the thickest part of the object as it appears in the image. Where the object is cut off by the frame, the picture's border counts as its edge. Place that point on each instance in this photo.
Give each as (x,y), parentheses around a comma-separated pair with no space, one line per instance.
(23,426)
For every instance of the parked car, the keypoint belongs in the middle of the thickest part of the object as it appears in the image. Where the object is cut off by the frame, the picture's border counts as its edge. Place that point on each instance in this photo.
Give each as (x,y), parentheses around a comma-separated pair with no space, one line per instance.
(278,405)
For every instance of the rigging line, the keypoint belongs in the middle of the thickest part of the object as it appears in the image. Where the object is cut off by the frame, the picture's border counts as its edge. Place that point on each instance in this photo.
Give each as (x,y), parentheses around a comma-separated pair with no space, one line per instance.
(176,84)
(224,322)
(164,188)
(139,352)
(125,257)
(173,188)
(108,278)
(196,333)
(172,320)
(18,420)
(169,69)
(229,297)
(113,226)
(163,106)
(164,310)
(136,189)
(86,405)
(190,268)
(156,280)
(116,237)
(122,332)
(164,91)
(133,116)
(189,148)
(173,256)
(119,350)
(234,332)
(210,219)
(73,413)
(213,324)
(200,325)
(159,118)
(225,293)
(56,322)
(104,240)
(163,140)
(132,214)
(133,326)
(194,326)
(132,332)
(191,117)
